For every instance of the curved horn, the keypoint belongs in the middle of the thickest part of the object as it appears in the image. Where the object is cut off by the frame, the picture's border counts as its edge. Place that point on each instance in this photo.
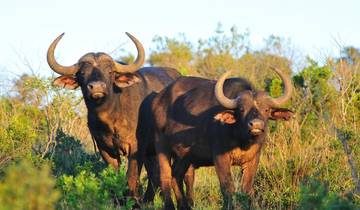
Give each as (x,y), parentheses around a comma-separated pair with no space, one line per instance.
(63,70)
(139,59)
(219,93)
(287,89)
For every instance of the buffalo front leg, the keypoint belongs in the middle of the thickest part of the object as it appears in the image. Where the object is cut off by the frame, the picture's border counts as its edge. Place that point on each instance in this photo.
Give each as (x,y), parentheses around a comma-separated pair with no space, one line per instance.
(152,169)
(189,180)
(133,175)
(249,172)
(223,171)
(165,179)
(179,168)
(248,176)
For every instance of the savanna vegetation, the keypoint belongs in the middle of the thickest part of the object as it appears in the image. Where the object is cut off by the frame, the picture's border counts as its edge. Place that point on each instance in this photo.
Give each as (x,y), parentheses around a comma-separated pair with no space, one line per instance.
(48,161)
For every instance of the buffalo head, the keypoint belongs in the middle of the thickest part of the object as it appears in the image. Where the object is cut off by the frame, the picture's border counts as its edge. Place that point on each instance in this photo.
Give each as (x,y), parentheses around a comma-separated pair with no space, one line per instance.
(96,73)
(252,109)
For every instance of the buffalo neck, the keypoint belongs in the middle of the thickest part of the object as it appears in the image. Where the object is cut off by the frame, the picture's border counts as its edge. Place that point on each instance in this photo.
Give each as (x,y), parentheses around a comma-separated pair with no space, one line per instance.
(119,107)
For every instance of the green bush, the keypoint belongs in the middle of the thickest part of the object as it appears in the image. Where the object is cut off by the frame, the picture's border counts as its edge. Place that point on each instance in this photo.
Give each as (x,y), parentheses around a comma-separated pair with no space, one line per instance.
(25,186)
(87,190)
(18,132)
(315,195)
(69,156)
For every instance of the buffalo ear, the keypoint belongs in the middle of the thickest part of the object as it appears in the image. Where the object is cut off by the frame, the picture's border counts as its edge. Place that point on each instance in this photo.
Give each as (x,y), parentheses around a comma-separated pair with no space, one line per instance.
(226,117)
(123,80)
(281,114)
(68,82)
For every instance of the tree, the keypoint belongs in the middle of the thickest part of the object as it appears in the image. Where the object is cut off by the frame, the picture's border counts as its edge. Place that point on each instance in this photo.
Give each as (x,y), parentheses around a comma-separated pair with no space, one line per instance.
(172,52)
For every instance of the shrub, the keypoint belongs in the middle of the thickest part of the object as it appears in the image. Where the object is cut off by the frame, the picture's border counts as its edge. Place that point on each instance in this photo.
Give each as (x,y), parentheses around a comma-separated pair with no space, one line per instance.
(87,190)
(17,130)
(69,156)
(316,195)
(25,186)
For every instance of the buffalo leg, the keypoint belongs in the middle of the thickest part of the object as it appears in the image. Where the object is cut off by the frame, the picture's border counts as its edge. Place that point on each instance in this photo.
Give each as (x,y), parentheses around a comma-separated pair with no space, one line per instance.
(180,167)
(249,171)
(189,180)
(223,171)
(165,178)
(133,175)
(248,175)
(152,170)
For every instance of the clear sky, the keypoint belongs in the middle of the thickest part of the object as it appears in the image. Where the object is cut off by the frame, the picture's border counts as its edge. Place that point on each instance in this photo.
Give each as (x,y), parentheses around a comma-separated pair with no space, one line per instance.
(29,26)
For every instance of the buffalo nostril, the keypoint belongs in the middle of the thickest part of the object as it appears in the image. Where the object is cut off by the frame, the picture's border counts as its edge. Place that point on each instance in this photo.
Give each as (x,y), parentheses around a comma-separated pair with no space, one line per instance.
(256,124)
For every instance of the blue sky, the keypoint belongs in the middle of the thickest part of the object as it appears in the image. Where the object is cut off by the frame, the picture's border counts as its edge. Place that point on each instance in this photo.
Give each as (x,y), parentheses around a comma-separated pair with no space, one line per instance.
(28,27)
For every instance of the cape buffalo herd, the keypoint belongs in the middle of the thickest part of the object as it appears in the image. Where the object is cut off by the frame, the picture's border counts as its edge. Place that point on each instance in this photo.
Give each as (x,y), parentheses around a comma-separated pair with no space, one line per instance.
(172,124)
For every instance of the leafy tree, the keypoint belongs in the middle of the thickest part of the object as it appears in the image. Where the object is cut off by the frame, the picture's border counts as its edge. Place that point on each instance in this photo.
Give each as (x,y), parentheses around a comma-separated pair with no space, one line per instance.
(221,52)
(316,89)
(172,52)
(350,54)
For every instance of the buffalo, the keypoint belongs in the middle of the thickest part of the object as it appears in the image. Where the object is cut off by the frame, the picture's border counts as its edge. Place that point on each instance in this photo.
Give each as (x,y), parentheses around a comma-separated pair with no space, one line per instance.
(199,122)
(113,93)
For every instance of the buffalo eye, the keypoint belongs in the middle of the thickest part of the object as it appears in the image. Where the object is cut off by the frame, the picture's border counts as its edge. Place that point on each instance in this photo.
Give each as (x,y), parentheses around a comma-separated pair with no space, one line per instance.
(86,64)
(109,67)
(81,73)
(241,109)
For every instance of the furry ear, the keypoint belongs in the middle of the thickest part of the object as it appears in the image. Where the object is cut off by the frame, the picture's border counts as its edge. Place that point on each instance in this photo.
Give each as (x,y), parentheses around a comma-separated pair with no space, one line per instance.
(281,113)
(67,82)
(226,117)
(126,79)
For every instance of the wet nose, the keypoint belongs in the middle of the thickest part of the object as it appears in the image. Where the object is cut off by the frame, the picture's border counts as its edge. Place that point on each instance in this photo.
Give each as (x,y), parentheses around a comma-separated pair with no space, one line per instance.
(256,123)
(93,86)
